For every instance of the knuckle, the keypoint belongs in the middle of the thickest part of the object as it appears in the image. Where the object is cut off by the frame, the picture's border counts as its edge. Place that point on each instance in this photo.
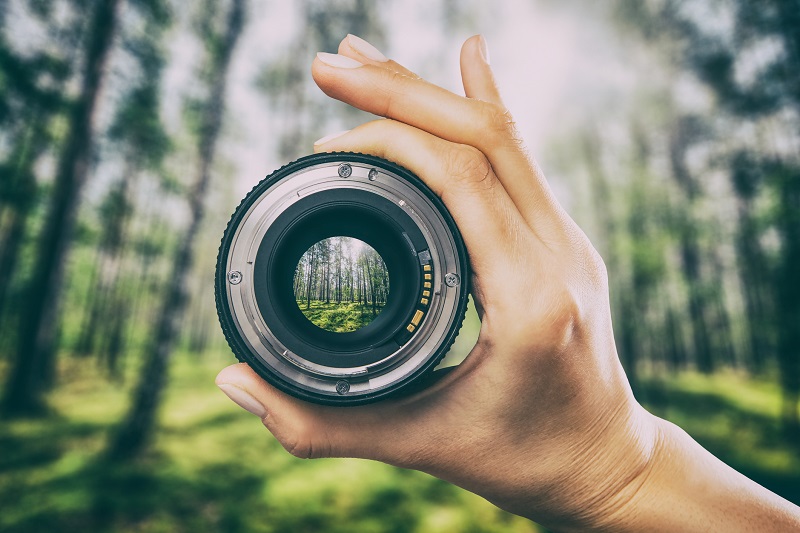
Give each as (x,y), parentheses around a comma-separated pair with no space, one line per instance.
(498,124)
(596,269)
(393,89)
(565,318)
(301,445)
(467,164)
(296,446)
(575,302)
(553,326)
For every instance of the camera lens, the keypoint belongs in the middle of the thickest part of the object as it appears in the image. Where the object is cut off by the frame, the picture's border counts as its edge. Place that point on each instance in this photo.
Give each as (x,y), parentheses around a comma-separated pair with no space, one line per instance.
(341,279)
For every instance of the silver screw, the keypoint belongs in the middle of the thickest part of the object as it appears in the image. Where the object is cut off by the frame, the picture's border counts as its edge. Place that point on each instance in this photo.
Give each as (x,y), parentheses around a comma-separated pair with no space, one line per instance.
(373,174)
(451,280)
(342,387)
(345,170)
(235,277)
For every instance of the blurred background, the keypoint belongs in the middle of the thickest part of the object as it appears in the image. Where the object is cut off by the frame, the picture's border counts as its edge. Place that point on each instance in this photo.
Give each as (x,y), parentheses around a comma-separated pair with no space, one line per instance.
(130,130)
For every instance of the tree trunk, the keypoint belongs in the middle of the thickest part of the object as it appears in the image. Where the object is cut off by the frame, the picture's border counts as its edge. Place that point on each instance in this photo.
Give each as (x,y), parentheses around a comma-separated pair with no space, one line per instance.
(386,286)
(339,272)
(624,323)
(309,286)
(788,299)
(753,272)
(34,366)
(350,280)
(137,429)
(115,337)
(697,302)
(92,307)
(328,282)
(11,246)
(680,140)
(371,277)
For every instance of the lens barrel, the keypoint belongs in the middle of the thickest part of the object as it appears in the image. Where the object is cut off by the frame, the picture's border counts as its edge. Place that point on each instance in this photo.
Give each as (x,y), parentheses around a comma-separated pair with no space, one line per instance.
(422,284)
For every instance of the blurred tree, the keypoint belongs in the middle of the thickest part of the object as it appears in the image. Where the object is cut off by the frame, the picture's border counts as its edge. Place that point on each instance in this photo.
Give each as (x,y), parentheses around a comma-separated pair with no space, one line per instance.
(749,62)
(138,133)
(753,262)
(633,246)
(646,256)
(136,429)
(709,321)
(31,96)
(34,361)
(286,82)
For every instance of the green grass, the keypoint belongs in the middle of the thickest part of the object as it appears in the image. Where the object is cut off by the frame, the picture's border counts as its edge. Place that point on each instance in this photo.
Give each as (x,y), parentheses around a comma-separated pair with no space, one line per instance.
(735,417)
(215,468)
(340,318)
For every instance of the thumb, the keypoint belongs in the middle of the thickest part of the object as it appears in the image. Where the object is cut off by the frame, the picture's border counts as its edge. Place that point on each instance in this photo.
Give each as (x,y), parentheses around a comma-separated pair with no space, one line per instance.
(476,74)
(311,431)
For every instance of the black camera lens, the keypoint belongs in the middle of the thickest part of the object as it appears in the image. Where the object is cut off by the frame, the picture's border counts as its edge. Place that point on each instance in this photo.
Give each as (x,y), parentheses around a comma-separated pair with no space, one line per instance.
(342,279)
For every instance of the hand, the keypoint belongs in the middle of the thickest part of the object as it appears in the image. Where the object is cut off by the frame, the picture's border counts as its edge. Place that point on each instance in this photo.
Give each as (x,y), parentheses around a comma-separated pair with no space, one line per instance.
(539,418)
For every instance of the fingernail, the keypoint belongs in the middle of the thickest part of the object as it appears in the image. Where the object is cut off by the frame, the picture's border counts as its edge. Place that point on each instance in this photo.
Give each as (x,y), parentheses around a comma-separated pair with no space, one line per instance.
(327,138)
(243,399)
(365,49)
(484,50)
(335,60)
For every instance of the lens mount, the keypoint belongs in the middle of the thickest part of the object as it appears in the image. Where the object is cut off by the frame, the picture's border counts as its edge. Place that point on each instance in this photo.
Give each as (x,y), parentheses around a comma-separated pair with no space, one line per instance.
(342,195)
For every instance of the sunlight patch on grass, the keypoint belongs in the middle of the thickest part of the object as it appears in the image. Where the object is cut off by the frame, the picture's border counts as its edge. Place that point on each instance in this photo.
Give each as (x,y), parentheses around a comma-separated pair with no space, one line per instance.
(214,467)
(746,393)
(341,317)
(733,416)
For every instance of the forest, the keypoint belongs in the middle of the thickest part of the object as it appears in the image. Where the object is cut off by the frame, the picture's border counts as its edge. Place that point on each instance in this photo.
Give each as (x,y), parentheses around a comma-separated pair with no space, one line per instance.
(341,284)
(131,129)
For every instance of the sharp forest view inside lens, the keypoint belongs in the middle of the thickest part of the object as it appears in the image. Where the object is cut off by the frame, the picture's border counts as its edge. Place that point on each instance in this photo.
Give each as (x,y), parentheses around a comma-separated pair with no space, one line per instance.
(341,284)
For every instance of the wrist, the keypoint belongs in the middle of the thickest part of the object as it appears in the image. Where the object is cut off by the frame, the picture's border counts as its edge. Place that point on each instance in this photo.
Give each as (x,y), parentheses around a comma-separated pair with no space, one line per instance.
(683,487)
(584,478)
(643,461)
(617,470)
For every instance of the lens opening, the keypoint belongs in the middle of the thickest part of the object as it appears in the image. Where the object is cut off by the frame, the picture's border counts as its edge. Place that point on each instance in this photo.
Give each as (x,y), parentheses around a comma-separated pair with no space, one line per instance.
(339,213)
(341,284)
(304,200)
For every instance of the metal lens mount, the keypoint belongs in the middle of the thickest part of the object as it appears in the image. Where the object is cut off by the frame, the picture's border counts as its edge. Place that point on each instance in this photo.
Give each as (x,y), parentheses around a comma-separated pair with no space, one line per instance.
(342,195)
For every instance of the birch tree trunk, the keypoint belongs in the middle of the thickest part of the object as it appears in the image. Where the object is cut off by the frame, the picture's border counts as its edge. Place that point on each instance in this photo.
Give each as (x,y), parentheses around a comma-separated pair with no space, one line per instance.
(33,368)
(137,429)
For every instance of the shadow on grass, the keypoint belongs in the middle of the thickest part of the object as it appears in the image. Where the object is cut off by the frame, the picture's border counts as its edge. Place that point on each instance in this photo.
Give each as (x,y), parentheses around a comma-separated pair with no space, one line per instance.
(45,485)
(150,495)
(146,495)
(738,437)
(40,442)
(50,481)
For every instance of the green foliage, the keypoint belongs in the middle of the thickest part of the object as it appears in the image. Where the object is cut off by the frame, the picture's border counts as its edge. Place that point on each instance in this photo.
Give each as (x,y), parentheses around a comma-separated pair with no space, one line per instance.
(735,418)
(215,469)
(655,194)
(338,317)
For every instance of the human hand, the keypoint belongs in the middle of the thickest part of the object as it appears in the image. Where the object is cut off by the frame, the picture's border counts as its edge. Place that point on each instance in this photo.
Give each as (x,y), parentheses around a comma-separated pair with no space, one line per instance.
(539,419)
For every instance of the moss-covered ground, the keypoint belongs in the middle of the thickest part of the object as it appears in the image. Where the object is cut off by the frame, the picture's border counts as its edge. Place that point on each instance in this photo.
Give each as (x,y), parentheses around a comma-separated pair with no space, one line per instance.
(215,468)
(339,317)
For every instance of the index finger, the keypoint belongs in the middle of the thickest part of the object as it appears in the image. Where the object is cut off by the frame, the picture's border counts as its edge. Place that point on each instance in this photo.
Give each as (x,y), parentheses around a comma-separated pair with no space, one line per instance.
(483,125)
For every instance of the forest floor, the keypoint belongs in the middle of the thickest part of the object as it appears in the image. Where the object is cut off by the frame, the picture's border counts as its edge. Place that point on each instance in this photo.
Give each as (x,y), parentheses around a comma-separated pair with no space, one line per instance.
(215,468)
(338,317)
